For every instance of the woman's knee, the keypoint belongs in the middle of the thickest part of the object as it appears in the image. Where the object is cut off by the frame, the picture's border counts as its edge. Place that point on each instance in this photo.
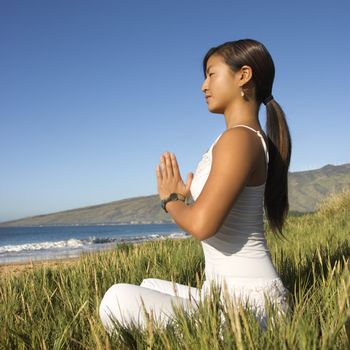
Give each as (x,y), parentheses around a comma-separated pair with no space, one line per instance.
(117,290)
(113,303)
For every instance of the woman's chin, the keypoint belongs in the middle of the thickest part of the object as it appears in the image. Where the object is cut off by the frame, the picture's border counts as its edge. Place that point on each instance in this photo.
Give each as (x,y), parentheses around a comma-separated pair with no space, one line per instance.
(212,109)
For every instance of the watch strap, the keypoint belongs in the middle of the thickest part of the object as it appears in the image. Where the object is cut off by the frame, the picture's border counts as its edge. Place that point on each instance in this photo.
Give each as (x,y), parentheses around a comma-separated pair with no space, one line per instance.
(172,197)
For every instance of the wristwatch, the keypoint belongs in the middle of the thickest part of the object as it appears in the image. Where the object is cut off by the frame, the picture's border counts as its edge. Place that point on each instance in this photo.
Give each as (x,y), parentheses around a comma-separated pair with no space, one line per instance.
(172,197)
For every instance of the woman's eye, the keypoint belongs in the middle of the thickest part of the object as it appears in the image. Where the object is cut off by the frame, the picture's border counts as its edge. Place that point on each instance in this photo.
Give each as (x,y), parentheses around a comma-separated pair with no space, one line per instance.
(210,74)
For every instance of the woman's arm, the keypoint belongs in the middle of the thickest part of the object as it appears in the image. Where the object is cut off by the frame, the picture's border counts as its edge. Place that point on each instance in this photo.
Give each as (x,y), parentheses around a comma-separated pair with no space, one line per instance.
(233,162)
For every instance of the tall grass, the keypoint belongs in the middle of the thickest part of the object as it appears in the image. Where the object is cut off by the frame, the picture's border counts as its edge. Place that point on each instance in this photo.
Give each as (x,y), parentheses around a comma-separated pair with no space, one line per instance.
(58,308)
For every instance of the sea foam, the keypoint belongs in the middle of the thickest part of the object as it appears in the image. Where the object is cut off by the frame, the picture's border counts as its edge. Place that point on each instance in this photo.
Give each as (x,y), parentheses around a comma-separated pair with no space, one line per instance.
(88,243)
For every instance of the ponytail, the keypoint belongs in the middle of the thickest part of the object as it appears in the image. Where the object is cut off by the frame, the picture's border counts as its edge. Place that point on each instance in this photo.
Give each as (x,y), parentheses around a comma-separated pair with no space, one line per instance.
(280,148)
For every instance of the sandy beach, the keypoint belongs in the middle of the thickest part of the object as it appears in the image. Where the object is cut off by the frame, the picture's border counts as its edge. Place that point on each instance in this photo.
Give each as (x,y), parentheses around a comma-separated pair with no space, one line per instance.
(17,268)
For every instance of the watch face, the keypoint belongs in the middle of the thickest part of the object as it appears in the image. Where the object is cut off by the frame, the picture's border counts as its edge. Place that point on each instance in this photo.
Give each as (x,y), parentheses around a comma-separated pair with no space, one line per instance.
(173,196)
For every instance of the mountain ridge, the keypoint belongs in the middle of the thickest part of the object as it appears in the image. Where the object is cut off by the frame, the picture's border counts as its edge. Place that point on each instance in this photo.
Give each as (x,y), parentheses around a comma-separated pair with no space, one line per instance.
(306,190)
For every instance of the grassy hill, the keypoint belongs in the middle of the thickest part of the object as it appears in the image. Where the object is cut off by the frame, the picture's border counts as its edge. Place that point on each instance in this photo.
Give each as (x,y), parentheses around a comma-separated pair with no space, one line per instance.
(306,191)
(132,210)
(308,188)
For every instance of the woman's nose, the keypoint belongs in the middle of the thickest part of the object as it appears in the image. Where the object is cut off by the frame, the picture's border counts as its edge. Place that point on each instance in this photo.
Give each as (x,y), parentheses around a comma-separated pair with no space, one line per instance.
(204,86)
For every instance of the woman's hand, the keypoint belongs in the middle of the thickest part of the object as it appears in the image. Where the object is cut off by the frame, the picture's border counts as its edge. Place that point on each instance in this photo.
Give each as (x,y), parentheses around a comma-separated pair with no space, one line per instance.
(169,179)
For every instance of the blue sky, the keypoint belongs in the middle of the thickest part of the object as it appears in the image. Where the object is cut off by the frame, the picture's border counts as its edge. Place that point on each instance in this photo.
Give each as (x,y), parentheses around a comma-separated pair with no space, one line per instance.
(93,92)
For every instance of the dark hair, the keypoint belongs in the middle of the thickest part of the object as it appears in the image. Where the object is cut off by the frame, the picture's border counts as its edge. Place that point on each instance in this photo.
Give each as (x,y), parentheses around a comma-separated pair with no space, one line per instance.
(254,54)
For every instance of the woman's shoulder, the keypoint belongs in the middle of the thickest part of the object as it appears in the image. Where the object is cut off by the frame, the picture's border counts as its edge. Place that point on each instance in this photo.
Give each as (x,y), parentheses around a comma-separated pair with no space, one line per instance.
(236,146)
(234,137)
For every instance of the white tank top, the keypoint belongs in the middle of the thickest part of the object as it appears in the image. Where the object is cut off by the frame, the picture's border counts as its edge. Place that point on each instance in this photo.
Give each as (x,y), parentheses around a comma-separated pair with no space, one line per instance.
(238,250)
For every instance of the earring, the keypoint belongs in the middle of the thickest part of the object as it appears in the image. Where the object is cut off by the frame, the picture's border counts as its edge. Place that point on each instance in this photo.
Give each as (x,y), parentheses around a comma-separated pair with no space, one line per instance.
(242,92)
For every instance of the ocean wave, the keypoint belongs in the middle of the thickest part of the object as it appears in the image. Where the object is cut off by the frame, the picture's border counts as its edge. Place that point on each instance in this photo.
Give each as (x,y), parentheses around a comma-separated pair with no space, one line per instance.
(73,243)
(70,243)
(100,240)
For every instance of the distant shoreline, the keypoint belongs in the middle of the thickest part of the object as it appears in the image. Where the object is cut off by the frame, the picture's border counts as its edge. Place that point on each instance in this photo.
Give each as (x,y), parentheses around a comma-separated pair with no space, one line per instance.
(291,212)
(4,224)
(61,261)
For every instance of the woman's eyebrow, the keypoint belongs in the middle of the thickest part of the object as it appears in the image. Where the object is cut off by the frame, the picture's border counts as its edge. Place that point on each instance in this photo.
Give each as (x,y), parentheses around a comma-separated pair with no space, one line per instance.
(208,69)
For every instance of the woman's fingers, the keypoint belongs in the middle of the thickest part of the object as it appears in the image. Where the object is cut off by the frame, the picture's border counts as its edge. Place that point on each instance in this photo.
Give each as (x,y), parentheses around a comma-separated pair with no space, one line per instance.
(189,181)
(168,165)
(163,166)
(159,173)
(175,166)
(168,176)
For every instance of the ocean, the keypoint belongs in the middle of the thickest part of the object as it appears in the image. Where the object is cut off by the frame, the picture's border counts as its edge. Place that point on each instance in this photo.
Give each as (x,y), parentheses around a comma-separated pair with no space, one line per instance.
(24,244)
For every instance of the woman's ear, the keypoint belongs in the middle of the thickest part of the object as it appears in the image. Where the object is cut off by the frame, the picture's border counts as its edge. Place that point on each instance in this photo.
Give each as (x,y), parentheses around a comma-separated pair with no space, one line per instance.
(245,74)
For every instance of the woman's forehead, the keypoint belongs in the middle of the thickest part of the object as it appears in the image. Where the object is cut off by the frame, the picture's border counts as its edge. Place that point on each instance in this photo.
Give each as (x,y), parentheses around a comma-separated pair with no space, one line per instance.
(215,59)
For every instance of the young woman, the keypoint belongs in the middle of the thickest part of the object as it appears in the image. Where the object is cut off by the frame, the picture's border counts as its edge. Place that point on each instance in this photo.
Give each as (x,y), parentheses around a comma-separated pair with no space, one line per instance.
(242,172)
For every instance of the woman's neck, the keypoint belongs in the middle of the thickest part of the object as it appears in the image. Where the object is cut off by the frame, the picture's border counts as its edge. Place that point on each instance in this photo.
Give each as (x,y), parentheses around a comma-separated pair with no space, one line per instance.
(242,112)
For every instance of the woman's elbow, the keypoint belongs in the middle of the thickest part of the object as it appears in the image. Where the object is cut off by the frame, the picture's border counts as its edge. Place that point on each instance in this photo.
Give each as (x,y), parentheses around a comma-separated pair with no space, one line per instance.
(202,229)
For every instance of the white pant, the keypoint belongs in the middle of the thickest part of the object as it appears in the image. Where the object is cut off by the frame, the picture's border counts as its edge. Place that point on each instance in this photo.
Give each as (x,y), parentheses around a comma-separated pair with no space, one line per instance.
(126,303)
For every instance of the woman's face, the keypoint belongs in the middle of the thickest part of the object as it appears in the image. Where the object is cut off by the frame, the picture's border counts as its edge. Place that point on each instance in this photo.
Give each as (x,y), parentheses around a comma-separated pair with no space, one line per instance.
(220,86)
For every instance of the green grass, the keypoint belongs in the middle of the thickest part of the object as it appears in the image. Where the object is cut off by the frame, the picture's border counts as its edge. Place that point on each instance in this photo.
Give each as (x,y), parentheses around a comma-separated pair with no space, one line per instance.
(58,308)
